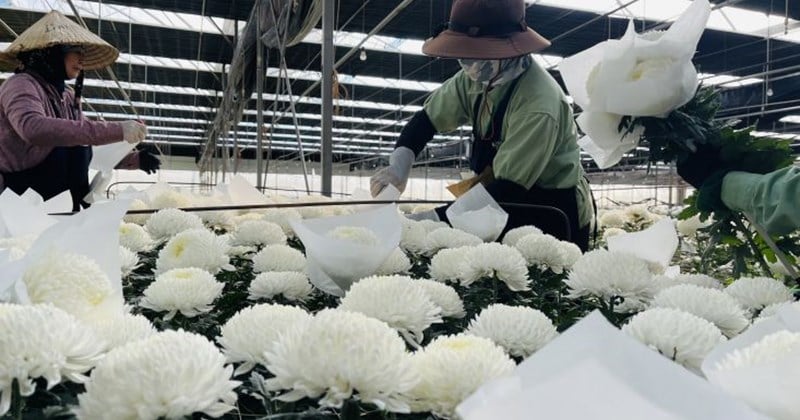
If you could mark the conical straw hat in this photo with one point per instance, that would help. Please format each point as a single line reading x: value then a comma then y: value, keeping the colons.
x: 56, y: 29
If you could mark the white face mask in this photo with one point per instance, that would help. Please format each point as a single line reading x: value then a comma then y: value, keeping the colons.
x: 480, y: 70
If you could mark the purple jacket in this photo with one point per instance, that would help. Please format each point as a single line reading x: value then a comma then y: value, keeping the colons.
x: 34, y: 119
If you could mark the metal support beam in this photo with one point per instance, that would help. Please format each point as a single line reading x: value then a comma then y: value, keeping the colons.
x: 259, y: 100
x: 328, y: 55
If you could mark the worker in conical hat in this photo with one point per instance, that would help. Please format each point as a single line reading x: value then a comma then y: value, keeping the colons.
x: 524, y: 148
x: 45, y: 140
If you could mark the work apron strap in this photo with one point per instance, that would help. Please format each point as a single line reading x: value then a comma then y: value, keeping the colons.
x: 484, y: 147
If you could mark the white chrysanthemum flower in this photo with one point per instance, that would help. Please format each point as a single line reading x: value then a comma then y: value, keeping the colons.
x: 547, y: 252
x: 341, y: 353
x: 397, y: 263
x: 238, y: 220
x: 395, y: 300
x: 122, y: 329
x: 355, y: 234
x: 292, y: 285
x: 72, y: 282
x: 171, y: 200
x: 167, y: 223
x: 676, y: 334
x: 701, y: 280
x: 500, y: 261
x: 128, y: 261
x: 134, y: 237
x: 279, y: 258
x: 17, y: 246
x: 443, y: 296
x: 254, y: 330
x: 258, y: 232
x: 449, y: 238
x: 771, y: 310
x: 688, y: 227
x: 514, y: 235
x: 139, y: 219
x: 172, y: 374
x: 314, y: 212
x: 610, y: 276
x: 754, y: 293
x: 612, y: 219
x: 451, y: 264
x: 452, y: 368
x: 413, y: 236
x: 41, y: 341
x: 217, y: 219
x: 282, y: 217
x: 611, y: 232
x: 190, y: 291
x: 519, y: 330
x: 198, y: 248
x: 768, y: 350
x: 638, y: 214
x: 712, y: 305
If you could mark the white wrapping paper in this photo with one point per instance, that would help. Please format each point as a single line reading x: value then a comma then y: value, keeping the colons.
x: 20, y: 216
x: 106, y: 157
x: 772, y: 387
x: 656, y: 244
x: 335, y: 264
x: 595, y: 371
x: 478, y: 213
x: 389, y: 193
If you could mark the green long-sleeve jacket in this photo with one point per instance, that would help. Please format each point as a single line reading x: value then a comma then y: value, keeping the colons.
x: 772, y: 199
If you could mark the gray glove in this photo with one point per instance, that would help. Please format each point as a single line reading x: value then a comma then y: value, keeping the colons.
x: 424, y: 215
x: 396, y: 173
x: 133, y: 132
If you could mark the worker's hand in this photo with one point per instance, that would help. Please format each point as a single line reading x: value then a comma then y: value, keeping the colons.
x: 133, y: 131
x: 396, y: 173
x: 148, y: 161
x: 705, y: 170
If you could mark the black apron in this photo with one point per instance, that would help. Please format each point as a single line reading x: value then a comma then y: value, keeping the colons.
x: 66, y: 168
x: 554, y: 211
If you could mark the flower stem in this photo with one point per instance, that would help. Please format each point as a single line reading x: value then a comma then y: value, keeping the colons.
x: 17, y: 402
x: 759, y: 256
x: 778, y: 252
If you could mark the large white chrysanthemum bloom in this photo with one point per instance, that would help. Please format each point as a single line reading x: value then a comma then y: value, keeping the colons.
x: 258, y: 232
x: 253, y: 331
x: 190, y: 291
x: 238, y: 220
x: 451, y: 264
x: 754, y: 293
x: 41, y: 341
x: 519, y: 330
x: 638, y: 214
x: 292, y: 285
x: 610, y: 276
x: 72, y: 282
x: 413, y: 236
x: 443, y: 296
x: 514, y: 235
x: 134, y: 237
x: 282, y: 217
x: 676, y: 334
x: 172, y: 374
x: 395, y: 300
x: 442, y: 238
x: 451, y: 368
x: 279, y: 258
x: 339, y: 354
x: 139, y: 219
x: 17, y: 246
x: 397, y: 263
x: 771, y: 310
x: 500, y: 261
x: 167, y: 223
x: 197, y: 248
x: 171, y: 199
x: 122, y: 329
x: 612, y: 219
x: 128, y: 261
x: 712, y: 305
x: 611, y: 232
x: 355, y: 234
x: 768, y: 366
x: 700, y: 280
x: 546, y: 252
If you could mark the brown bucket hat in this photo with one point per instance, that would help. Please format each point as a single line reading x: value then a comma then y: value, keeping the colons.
x: 56, y: 29
x: 485, y: 30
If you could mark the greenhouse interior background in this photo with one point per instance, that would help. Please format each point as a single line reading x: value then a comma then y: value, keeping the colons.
x: 176, y: 56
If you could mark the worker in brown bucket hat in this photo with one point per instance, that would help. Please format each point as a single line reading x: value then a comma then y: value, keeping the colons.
x: 45, y: 140
x: 524, y: 148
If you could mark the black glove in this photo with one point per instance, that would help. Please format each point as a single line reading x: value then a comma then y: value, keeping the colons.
x: 148, y: 162
x: 705, y: 170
